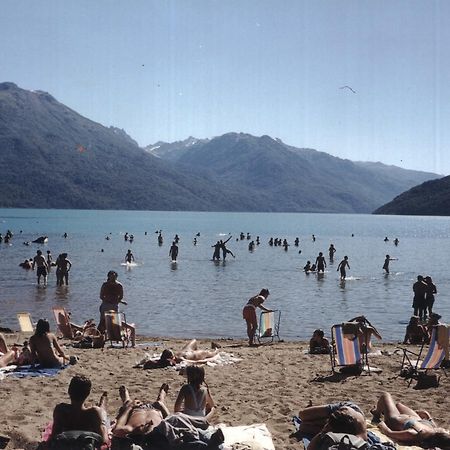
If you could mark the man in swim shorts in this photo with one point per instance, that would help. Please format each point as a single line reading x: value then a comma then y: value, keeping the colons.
x: 42, y: 267
x: 111, y: 294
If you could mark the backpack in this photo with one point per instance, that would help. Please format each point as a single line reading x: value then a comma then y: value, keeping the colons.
x: 76, y: 440
x: 342, y: 441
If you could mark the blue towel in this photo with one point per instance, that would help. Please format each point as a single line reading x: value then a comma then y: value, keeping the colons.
x: 37, y: 371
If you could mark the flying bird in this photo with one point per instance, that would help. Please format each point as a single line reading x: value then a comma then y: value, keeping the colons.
x: 348, y: 87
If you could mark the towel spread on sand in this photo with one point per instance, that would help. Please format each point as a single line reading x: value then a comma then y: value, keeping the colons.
x: 247, y: 437
x: 28, y: 371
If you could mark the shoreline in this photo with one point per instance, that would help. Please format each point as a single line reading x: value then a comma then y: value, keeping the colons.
x: 269, y: 385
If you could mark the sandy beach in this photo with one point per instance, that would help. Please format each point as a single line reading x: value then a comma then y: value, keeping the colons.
x: 269, y: 385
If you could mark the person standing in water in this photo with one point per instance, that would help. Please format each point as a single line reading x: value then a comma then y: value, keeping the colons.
x: 173, y: 251
x: 386, y: 263
x: 341, y: 267
x: 129, y: 257
x: 331, y: 252
x: 63, y: 266
x: 321, y: 263
x: 42, y: 267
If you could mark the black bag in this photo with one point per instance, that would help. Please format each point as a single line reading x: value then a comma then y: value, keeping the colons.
x: 342, y: 441
x: 425, y: 381
x: 76, y: 440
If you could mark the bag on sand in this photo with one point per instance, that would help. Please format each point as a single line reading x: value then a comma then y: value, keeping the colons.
x: 425, y: 381
x: 76, y: 440
x: 342, y: 441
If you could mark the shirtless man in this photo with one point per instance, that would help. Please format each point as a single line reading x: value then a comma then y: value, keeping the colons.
x: 129, y: 257
x: 111, y: 294
x: 42, y: 267
x: 45, y: 348
x: 341, y: 267
x: 76, y: 415
x: 321, y: 263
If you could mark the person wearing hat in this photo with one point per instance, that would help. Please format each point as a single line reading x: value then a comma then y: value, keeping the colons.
x: 249, y: 313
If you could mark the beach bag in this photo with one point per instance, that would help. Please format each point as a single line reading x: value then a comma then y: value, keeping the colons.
x: 76, y: 440
x: 425, y: 380
x: 342, y: 441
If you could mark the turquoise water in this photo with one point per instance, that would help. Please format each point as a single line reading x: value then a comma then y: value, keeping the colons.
x: 199, y: 298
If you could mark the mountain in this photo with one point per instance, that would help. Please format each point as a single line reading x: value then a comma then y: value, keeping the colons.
x: 431, y: 198
x: 293, y: 179
x: 171, y: 151
x: 55, y: 158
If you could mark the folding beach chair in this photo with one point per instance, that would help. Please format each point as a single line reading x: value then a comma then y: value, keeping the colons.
x: 269, y: 326
x: 63, y: 321
x: 25, y: 323
x: 345, y: 347
x: 437, y: 352
x: 117, y: 329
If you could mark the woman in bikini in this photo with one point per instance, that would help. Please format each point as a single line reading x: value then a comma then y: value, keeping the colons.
x: 408, y: 427
x: 193, y: 398
x: 249, y: 314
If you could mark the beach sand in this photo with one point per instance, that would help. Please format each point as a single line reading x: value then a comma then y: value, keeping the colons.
x: 269, y: 385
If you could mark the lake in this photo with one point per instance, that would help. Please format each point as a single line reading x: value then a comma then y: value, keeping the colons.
x: 200, y: 298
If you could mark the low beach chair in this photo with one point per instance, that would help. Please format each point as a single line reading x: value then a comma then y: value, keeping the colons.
x: 63, y: 321
x: 117, y: 329
x: 438, y: 350
x: 25, y: 323
x: 269, y: 326
x: 345, y: 347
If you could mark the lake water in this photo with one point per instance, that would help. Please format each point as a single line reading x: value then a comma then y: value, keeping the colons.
x: 200, y: 298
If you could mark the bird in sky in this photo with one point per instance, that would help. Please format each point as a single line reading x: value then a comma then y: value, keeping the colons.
x: 348, y: 87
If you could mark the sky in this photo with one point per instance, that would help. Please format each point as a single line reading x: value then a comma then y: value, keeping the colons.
x: 164, y: 70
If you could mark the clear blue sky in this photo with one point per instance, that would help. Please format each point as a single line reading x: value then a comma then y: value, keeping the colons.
x: 165, y: 70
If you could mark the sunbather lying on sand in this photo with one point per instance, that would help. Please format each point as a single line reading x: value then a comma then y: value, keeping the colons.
x: 408, y: 427
x: 152, y: 423
x: 15, y: 355
x: 189, y: 353
x: 344, y: 417
x: 76, y: 415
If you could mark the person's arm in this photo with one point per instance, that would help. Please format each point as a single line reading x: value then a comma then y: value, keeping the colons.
x: 264, y: 308
x: 57, y: 421
x: 56, y: 346
x: 34, y: 264
x: 120, y: 294
x: 102, y: 292
x: 227, y: 240
x: 33, y: 351
x: 121, y: 429
x: 70, y: 265
x: 209, y: 406
x: 404, y: 436
x: 180, y: 399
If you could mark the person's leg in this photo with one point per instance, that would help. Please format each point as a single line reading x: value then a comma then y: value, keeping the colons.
x: 191, y: 345
x: 387, y: 407
x: 403, y: 409
x: 8, y: 358
x: 250, y: 332
x: 160, y: 403
x: 66, y: 278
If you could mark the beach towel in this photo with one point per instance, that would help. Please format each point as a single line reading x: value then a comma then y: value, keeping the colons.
x: 29, y: 371
x: 247, y: 437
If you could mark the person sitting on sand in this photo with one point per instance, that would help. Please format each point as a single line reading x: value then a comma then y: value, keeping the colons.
x: 342, y: 417
x: 45, y: 348
x: 14, y: 356
x: 249, y: 313
x: 76, y: 416
x: 190, y: 353
x: 318, y: 344
x: 195, y: 398
x: 415, y: 333
x: 408, y: 427
x: 153, y: 425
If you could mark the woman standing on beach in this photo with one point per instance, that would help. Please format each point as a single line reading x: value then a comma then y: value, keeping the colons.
x: 111, y: 294
x: 249, y: 313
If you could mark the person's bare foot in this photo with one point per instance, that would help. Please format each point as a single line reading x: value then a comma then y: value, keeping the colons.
x: 124, y: 394
x: 103, y: 403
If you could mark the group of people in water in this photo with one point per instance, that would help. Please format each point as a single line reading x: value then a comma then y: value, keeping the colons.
x: 42, y: 264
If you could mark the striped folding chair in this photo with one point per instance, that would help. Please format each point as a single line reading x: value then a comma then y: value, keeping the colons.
x: 345, y: 348
x: 437, y: 352
x: 63, y: 321
x: 269, y: 326
x: 117, y: 328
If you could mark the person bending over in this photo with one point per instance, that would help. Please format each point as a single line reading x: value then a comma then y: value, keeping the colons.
x: 76, y: 416
x: 408, y: 427
x: 249, y: 313
x: 195, y: 398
